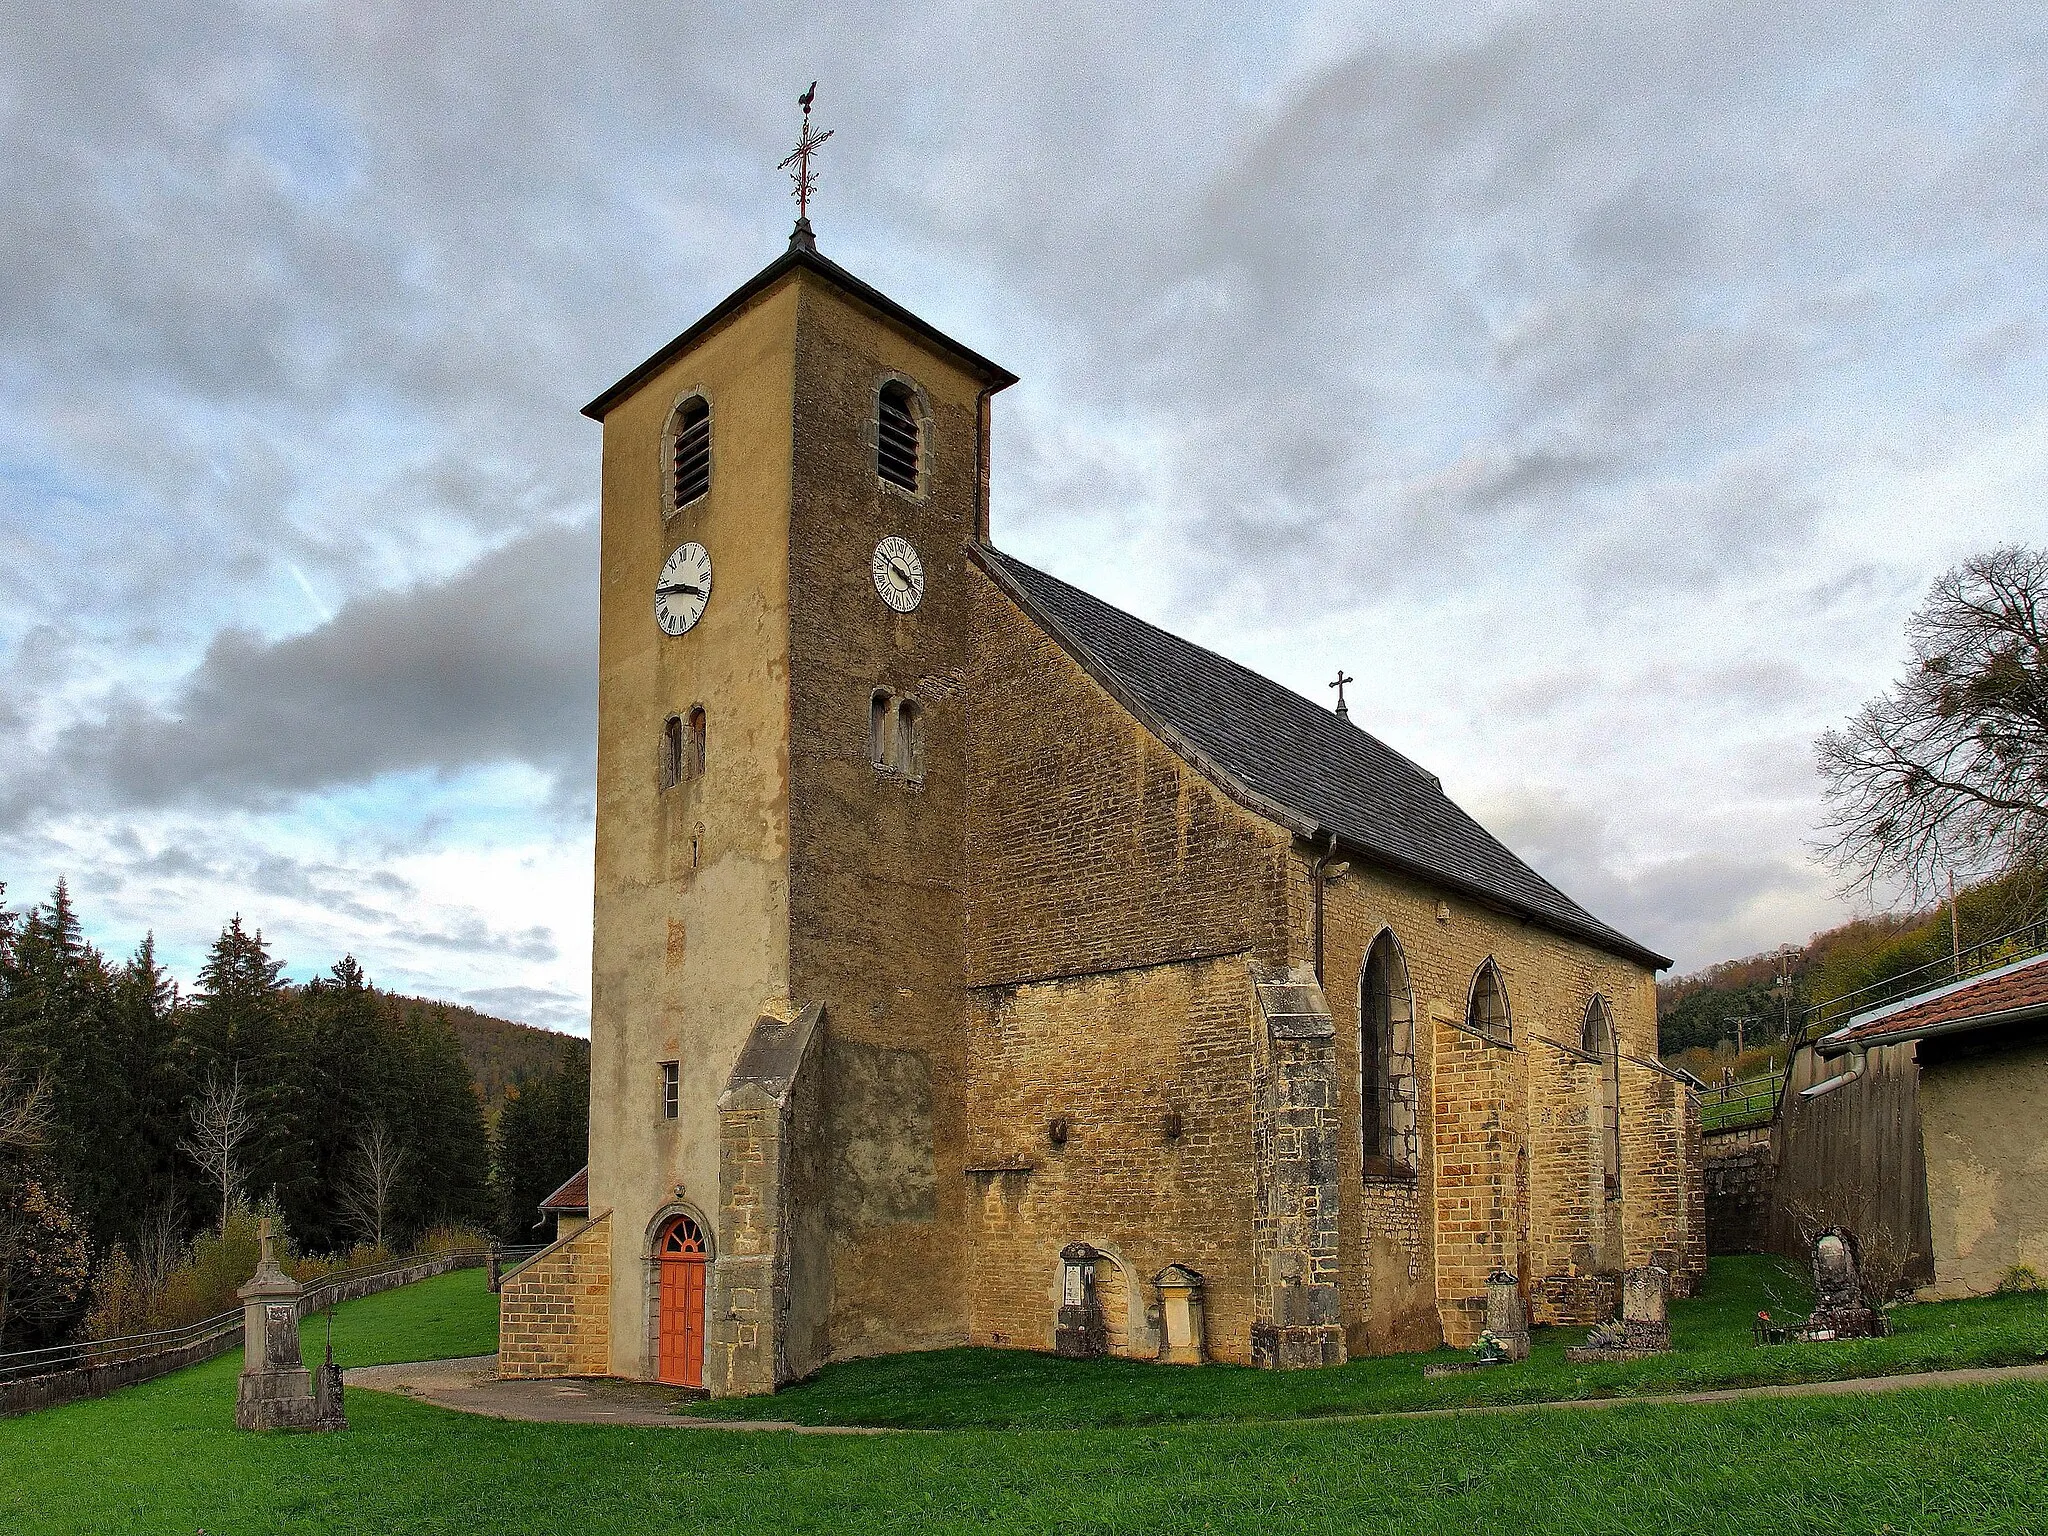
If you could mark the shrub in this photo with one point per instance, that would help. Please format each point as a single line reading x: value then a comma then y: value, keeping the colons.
x: 2021, y: 1280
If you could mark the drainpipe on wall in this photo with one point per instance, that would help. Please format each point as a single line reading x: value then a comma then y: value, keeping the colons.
x: 1857, y: 1056
x: 1315, y: 875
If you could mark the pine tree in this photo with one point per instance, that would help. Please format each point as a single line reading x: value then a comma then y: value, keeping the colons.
x: 241, y: 1020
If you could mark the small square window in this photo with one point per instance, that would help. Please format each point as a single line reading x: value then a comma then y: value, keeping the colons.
x: 671, y: 1089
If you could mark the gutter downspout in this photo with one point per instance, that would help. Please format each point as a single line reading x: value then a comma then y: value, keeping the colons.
x: 1858, y: 1055
x: 1315, y: 875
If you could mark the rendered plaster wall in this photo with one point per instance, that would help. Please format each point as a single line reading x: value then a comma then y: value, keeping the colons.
x: 877, y: 857
x: 1987, y: 1165
x: 691, y: 895
x: 1510, y: 1173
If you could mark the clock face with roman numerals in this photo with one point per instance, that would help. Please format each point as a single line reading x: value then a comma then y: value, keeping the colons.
x: 683, y: 589
x: 899, y: 574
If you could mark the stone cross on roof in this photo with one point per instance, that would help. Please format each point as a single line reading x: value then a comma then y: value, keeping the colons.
x: 1343, y: 713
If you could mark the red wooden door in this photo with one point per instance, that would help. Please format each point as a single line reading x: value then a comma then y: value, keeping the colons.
x: 681, y: 1325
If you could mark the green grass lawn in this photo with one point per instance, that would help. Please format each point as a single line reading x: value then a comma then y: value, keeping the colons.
x: 164, y: 1458
x: 1711, y: 1335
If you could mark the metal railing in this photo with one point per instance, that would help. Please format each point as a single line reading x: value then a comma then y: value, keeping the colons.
x: 222, y: 1330
x: 1975, y: 960
x: 1735, y: 1106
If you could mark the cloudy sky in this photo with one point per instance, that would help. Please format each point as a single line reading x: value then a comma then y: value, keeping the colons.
x: 1601, y: 384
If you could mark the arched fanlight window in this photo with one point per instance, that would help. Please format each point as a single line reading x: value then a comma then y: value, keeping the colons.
x: 1598, y: 1040
x: 1386, y: 1056
x: 1486, y: 1011
x: 671, y: 751
x: 689, y: 452
x: 897, y: 434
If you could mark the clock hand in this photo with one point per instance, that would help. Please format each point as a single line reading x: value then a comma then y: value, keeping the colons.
x: 903, y: 573
x: 670, y: 591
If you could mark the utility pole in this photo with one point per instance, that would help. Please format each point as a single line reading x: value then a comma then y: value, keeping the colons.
x: 1955, y: 926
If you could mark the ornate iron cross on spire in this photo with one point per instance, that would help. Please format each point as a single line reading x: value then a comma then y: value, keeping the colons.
x: 1342, y: 712
x: 799, y: 162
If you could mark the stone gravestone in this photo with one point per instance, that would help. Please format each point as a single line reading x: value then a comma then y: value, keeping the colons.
x: 276, y: 1390
x: 1080, y: 1334
x: 1644, y: 1327
x: 1507, y: 1318
x: 328, y: 1412
x: 1839, y: 1311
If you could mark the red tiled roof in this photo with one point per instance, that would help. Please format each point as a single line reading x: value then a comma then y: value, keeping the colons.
x: 2018, y: 989
x: 574, y: 1195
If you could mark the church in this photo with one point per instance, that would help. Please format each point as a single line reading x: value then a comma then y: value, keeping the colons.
x: 976, y: 963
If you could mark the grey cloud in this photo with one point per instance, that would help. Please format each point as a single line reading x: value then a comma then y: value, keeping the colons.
x: 496, y: 664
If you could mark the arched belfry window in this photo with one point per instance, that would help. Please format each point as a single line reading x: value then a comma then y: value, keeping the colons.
x: 689, y: 453
x: 1386, y: 1058
x: 899, y: 436
x: 1486, y: 1011
x: 1599, y: 1040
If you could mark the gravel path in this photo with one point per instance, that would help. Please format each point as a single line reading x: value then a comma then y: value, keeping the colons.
x: 472, y: 1386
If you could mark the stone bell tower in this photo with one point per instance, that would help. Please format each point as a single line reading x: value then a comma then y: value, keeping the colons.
x: 790, y: 489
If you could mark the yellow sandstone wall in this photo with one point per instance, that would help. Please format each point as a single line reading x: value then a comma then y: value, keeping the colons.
x: 877, y: 858
x: 554, y: 1312
x: 1510, y: 1169
x: 1114, y: 904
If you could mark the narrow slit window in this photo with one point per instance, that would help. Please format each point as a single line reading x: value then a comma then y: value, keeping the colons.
x: 1386, y: 1096
x: 879, y: 711
x: 692, y: 450
x: 693, y: 745
x: 1599, y: 1040
x: 896, y: 437
x: 671, y: 1089
x: 671, y: 751
x: 908, y: 746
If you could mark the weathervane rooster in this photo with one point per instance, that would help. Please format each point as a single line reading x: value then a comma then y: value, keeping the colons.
x: 799, y: 162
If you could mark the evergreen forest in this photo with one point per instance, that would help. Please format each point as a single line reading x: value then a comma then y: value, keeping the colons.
x: 136, y: 1119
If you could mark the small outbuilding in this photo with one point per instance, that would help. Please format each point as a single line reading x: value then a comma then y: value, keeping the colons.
x: 1982, y: 1046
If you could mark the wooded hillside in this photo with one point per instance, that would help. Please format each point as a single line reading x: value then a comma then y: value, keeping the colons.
x: 1696, y: 1014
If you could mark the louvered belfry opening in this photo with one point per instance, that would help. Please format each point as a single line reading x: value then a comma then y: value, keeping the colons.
x: 693, y: 450
x: 896, y: 438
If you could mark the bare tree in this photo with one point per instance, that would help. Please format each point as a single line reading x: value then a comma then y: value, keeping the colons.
x: 221, y: 1122
x: 1947, y: 770
x: 366, y: 1197
x: 26, y: 1114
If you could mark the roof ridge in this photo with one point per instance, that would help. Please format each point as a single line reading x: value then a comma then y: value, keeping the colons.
x: 1237, y: 666
x: 1266, y: 744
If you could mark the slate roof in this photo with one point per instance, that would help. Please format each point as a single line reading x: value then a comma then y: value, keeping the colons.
x: 2018, y: 991
x: 574, y: 1195
x: 1334, y: 777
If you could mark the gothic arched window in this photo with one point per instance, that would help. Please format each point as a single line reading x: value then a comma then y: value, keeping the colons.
x: 898, y: 435
x: 689, y: 452
x: 1598, y: 1040
x: 1386, y: 1056
x: 1486, y: 1011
